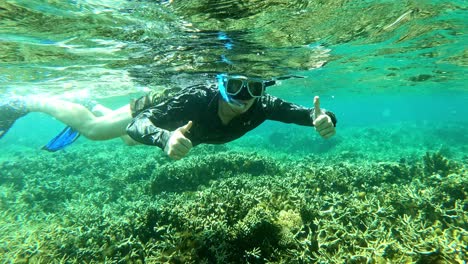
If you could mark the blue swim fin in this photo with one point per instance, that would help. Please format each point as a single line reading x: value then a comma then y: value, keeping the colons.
x: 65, y: 138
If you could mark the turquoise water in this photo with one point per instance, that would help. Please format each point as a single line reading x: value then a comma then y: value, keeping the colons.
x: 394, y: 73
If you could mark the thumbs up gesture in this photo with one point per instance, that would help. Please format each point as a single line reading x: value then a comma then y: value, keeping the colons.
x: 178, y: 145
x: 322, y: 122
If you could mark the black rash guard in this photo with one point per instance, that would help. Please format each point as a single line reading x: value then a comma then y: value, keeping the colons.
x: 199, y: 104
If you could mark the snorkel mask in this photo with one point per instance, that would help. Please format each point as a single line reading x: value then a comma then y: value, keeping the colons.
x: 238, y: 87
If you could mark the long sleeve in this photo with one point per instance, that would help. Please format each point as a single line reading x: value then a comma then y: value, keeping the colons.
x: 154, y: 125
x: 280, y: 110
x: 286, y: 112
x: 142, y: 130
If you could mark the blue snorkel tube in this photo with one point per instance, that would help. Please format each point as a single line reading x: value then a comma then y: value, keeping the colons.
x: 222, y: 88
x: 228, y: 44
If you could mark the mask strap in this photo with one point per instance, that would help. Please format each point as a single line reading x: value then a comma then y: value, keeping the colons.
x: 275, y: 80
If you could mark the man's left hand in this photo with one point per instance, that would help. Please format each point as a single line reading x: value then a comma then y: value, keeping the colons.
x: 322, y: 122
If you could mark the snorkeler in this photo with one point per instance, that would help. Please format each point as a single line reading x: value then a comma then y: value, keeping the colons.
x: 212, y: 114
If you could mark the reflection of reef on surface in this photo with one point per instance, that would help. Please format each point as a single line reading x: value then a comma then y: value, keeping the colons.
x: 224, y: 206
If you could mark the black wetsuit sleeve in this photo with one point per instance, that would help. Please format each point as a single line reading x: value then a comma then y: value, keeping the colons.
x: 142, y: 130
x: 154, y: 125
x: 280, y: 110
x: 286, y: 112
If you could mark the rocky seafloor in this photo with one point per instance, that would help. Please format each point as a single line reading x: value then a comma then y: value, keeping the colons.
x: 371, y: 196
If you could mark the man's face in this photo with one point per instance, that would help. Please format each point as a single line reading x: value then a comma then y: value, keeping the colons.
x: 239, y: 93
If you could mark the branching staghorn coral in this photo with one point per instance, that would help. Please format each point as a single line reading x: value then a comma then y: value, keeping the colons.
x: 271, y: 212
x: 435, y: 163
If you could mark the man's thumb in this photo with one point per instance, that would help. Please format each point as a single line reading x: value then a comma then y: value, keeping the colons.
x: 186, y: 128
x: 317, y: 110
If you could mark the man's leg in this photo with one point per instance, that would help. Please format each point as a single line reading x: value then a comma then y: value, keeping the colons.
x: 100, y: 110
x: 109, y: 126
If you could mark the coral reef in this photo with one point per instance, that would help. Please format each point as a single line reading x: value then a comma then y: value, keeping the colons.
x: 436, y: 163
x: 189, y: 174
x: 370, y: 195
x: 231, y: 207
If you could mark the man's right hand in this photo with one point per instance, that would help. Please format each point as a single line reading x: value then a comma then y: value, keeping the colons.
x: 178, y: 145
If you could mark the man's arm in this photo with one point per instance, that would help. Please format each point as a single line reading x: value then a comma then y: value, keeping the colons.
x: 173, y: 143
x: 142, y: 130
x: 286, y: 112
x: 165, y: 124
